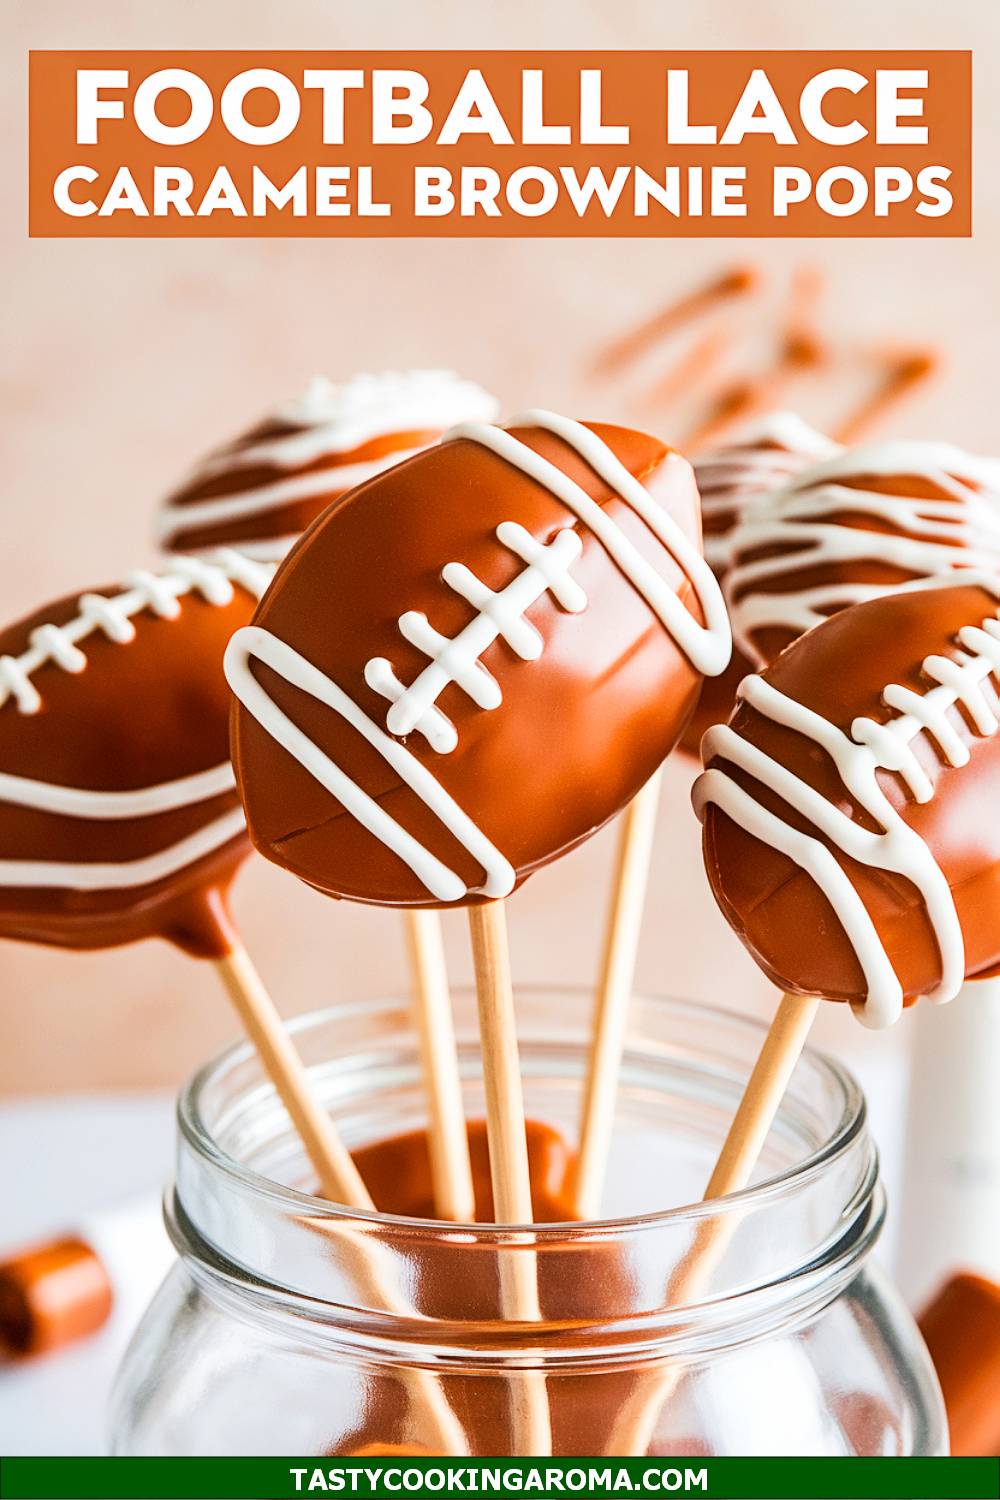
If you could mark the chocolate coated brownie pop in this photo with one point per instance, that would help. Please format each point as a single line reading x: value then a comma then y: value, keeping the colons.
x: 474, y: 661
x: 855, y: 526
x: 260, y: 492
x: 731, y: 479
x: 119, y: 816
x: 847, y: 830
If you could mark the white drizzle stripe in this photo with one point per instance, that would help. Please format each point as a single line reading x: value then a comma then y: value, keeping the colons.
x: 708, y: 647
x: 858, y: 757
x: 761, y: 459
x: 176, y: 518
x: 798, y: 610
x: 81, y: 802
x: 438, y: 730
x: 907, y: 456
x: 212, y: 578
x: 160, y: 593
x: 326, y: 421
x: 251, y: 642
x: 265, y: 549
x: 126, y: 874
x: 330, y: 419
x: 785, y: 430
x: 812, y: 856
x: 793, y: 520
x: 500, y: 616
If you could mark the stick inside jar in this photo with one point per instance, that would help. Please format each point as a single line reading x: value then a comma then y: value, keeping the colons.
x: 614, y: 995
x: 733, y: 1170
x: 531, y: 1428
x: 451, y: 1168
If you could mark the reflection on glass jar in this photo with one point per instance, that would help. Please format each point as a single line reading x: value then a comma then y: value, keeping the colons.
x: 758, y: 1326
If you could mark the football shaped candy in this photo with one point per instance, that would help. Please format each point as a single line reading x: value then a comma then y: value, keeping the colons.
x: 853, y: 527
x: 474, y: 661
x: 846, y: 807
x: 730, y: 479
x: 260, y: 492
x: 119, y: 816
x: 762, y: 459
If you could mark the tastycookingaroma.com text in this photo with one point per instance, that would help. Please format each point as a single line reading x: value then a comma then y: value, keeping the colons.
x: 500, y: 1479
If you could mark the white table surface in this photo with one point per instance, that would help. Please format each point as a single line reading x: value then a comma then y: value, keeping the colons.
x: 76, y: 1163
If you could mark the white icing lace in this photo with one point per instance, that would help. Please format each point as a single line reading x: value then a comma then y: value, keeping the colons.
x: 869, y: 748
x: 500, y: 615
x: 325, y: 421
x: 763, y: 458
x: 112, y: 616
x: 923, y: 536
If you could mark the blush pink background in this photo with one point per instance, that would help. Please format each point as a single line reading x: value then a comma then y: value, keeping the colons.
x: 123, y: 361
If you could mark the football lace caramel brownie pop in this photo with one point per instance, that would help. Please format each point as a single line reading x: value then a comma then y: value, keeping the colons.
x: 846, y: 844
x: 466, y: 668
x: 765, y: 455
x: 730, y: 480
x: 855, y: 526
x: 474, y: 661
x: 260, y: 492
x: 119, y: 816
x: 843, y: 806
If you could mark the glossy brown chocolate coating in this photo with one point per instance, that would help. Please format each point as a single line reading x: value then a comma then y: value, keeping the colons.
x: 141, y: 713
x: 730, y: 479
x: 582, y: 1410
x: 769, y: 640
x: 715, y: 701
x: 579, y: 731
x: 961, y: 1327
x: 397, y: 1173
x: 288, y: 518
x: 840, y: 670
x: 588, y: 1280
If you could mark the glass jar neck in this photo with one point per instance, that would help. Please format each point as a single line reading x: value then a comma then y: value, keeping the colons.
x: 688, y: 1279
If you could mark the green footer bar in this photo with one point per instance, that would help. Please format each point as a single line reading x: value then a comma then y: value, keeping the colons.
x: 723, y: 1478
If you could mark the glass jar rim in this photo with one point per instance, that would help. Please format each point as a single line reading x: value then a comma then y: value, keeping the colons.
x: 789, y: 1242
x: 769, y: 1190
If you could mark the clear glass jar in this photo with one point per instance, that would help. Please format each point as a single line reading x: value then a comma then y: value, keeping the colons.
x: 292, y: 1326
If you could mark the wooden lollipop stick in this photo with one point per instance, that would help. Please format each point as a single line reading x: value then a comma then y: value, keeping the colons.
x: 764, y: 1092
x: 338, y: 1176
x: 509, y: 1171
x: 451, y: 1169
x: 614, y: 993
x: 501, y: 1069
x: 636, y: 1424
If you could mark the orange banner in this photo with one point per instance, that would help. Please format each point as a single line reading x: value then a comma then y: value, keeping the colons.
x: 640, y: 144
